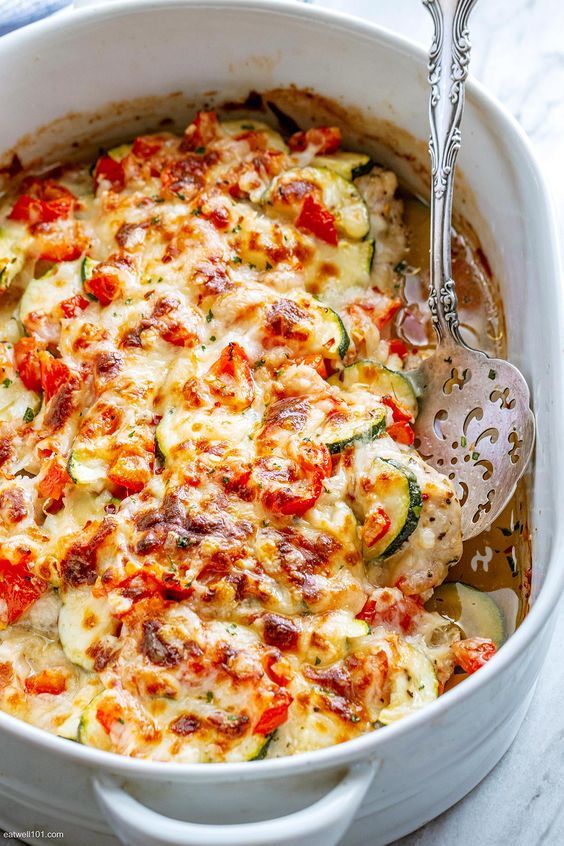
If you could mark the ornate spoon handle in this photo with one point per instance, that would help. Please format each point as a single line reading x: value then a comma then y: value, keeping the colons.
x: 448, y: 68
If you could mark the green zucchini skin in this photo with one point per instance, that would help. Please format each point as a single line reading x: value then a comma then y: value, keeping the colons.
x: 414, y: 512
x: 346, y: 164
x: 354, y: 431
x: 399, y: 495
x: 379, y: 379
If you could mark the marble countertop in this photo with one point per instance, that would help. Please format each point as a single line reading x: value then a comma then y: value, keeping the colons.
x: 518, y: 53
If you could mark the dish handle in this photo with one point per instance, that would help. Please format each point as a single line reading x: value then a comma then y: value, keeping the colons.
x: 321, y: 824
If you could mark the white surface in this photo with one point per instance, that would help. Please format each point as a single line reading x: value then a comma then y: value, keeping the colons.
x: 518, y: 52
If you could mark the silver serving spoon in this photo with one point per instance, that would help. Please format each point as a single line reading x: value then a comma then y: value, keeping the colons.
x: 475, y: 424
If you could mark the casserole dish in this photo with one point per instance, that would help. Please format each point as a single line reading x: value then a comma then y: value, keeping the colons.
x: 453, y: 743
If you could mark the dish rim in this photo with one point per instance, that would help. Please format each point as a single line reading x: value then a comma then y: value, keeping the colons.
x: 367, y: 745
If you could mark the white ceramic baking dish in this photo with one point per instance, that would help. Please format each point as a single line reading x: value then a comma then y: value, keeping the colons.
x: 393, y: 780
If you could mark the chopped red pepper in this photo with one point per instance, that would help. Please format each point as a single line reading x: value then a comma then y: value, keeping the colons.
x: 145, y: 147
x: 231, y: 379
x: 327, y: 139
x: 105, y: 286
x: 316, y: 219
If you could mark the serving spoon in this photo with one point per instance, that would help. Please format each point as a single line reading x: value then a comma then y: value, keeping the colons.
x: 475, y: 423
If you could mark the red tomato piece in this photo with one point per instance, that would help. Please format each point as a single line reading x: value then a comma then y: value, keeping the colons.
x: 278, y: 669
x: 385, y: 608
x: 292, y: 487
x: 327, y: 139
x: 28, y: 365
x: 108, y: 170
x: 316, y: 219
x: 19, y: 588
x: 144, y: 147
x: 473, y: 653
x: 202, y: 130
x: 389, y: 313
x: 397, y: 347
x: 51, y: 681
x: 399, y: 414
x: 377, y: 524
x: 104, y: 286
x: 402, y: 433
x: 275, y: 715
x: 53, y: 483
x: 43, y: 201
x: 54, y: 373
x: 230, y: 377
x: 74, y: 305
x: 131, y: 470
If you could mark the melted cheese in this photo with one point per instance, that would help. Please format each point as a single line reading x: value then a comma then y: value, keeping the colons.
x: 196, y: 552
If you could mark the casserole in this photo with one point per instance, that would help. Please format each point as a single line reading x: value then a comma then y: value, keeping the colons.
x: 476, y: 722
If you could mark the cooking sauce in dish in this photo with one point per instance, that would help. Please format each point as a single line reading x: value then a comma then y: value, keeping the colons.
x: 497, y: 562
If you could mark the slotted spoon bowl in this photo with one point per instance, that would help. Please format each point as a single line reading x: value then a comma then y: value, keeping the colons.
x: 475, y: 423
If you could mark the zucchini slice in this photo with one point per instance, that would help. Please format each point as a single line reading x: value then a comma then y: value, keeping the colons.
x: 413, y: 684
x: 90, y: 730
x: 86, y: 467
x: 87, y: 268
x: 286, y: 193
x: 17, y: 403
x: 11, y: 259
x: 340, y: 268
x: 346, y: 164
x: 235, y: 128
x: 375, y: 377
x: 395, y: 491
x: 44, y: 294
x: 84, y: 621
x: 338, y: 434
x: 316, y: 327
x: 120, y: 152
x: 472, y: 610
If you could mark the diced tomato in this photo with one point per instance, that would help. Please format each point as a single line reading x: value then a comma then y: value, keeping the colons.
x: 384, y: 607
x: 105, y: 286
x: 51, y: 681
x: 399, y: 414
x: 108, y: 713
x: 202, y: 130
x: 26, y: 352
x: 473, y: 653
x: 402, y: 433
x: 144, y: 147
x: 19, y: 589
x: 230, y: 377
x: 108, y: 170
x: 278, y: 668
x: 397, y: 347
x: 57, y: 248
x: 74, y: 305
x: 376, y: 525
x: 53, y: 483
x: 54, y: 373
x: 292, y: 487
x: 388, y: 314
x: 316, y: 219
x: 275, y: 715
x: 43, y: 201
x: 131, y: 470
x: 326, y: 139
x: 316, y: 361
